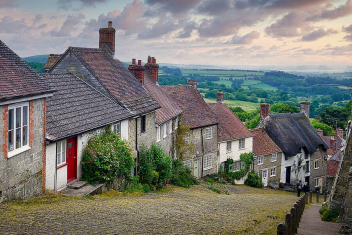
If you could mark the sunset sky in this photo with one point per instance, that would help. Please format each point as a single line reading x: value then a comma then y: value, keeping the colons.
x: 235, y: 33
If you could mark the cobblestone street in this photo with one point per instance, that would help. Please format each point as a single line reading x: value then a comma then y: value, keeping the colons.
x: 179, y: 211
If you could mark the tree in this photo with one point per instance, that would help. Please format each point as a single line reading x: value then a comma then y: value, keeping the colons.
x: 327, y: 130
x: 284, y: 108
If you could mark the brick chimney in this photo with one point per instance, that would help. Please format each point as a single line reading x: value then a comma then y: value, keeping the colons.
x: 152, y: 68
x: 220, y: 97
x: 193, y: 82
x: 264, y: 110
x: 305, y: 108
x: 339, y: 132
x: 320, y: 132
x: 333, y: 143
x: 137, y: 70
x: 107, y: 38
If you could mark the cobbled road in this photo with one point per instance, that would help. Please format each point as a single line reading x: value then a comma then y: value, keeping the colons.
x: 179, y: 211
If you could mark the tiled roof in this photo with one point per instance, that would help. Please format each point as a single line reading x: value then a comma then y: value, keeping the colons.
x: 17, y: 79
x: 77, y: 107
x: 262, y: 143
x: 169, y: 108
x: 51, y: 60
x: 334, y: 142
x: 195, y: 111
x: 230, y: 126
x: 333, y: 163
x: 293, y: 131
x: 116, y: 79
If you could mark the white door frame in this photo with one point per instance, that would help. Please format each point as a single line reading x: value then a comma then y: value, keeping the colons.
x: 265, y: 176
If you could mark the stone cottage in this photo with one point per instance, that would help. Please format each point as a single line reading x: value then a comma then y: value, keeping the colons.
x: 99, y: 69
x: 167, y: 117
x: 75, y: 113
x: 233, y: 136
x: 267, y: 158
x: 304, y: 152
x: 23, y: 117
x: 204, y: 128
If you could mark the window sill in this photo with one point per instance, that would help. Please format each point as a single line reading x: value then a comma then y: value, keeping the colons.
x: 205, y: 169
x: 272, y: 175
x: 274, y: 161
x: 61, y: 166
x: 260, y: 164
x: 18, y: 151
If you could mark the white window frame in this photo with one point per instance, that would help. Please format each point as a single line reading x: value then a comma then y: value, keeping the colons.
x: 316, y: 164
x: 164, y: 127
x: 158, y: 134
x: 242, y: 143
x: 176, y: 123
x: 236, y: 166
x: 316, y: 182
x: 116, y: 128
x: 274, y: 157
x: 207, y: 162
x: 273, y: 171
x: 260, y: 160
x: 187, y: 163
x: 22, y: 148
x: 61, y: 149
x: 229, y: 146
x: 170, y: 127
x: 208, y: 133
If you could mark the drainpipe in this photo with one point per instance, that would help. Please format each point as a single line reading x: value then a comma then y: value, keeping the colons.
x: 201, y: 131
x: 137, y: 159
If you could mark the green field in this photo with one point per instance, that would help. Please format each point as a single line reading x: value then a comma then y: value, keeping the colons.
x: 257, y: 84
x: 220, y: 73
x: 247, y: 106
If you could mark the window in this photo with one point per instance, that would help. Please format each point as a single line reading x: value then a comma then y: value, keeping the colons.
x: 143, y: 124
x: 188, y: 163
x: 316, y: 164
x: 273, y: 171
x: 307, y: 166
x: 237, y: 166
x: 264, y: 173
x: 316, y: 182
x: 61, y: 152
x: 208, y: 133
x: 116, y: 128
x: 164, y: 127
x: 207, y: 162
x: 241, y: 144
x: 176, y: 123
x: 228, y: 146
x: 273, y: 157
x: 186, y: 138
x: 170, y: 127
x: 18, y: 128
x: 157, y: 133
x: 260, y: 160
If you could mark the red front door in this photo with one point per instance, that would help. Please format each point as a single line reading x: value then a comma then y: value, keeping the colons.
x: 71, y: 159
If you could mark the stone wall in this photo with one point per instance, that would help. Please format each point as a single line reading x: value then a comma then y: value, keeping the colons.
x: 22, y: 175
x: 273, y: 181
x: 319, y: 172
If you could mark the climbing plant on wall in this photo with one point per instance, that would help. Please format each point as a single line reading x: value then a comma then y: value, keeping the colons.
x: 183, y: 147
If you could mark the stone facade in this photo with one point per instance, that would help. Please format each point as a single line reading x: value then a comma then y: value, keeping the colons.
x: 272, y: 167
x: 166, y: 142
x: 204, y: 150
x: 318, y: 172
x: 23, y: 174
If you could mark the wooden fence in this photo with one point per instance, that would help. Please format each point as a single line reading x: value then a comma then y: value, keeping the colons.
x: 289, y: 227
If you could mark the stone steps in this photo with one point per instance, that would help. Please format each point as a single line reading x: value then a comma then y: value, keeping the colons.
x: 81, y: 188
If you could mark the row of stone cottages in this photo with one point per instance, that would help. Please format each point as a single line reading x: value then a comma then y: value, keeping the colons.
x: 47, y: 120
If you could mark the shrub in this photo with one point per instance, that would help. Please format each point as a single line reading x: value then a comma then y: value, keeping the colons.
x: 328, y: 215
x: 105, y: 158
x: 254, y: 180
x: 182, y: 175
x: 155, y: 166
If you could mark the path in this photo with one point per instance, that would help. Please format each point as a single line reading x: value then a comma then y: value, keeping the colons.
x: 311, y: 224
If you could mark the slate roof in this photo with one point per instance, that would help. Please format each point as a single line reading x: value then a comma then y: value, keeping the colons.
x: 230, y: 126
x: 292, y: 131
x: 116, y: 79
x: 17, y: 79
x: 53, y: 58
x: 262, y: 143
x: 196, y: 113
x: 169, y: 108
x: 76, y: 107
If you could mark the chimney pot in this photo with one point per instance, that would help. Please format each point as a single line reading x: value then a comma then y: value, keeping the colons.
x: 133, y: 61
x: 193, y: 83
x: 139, y: 62
x: 264, y: 110
x: 153, y: 59
x: 110, y: 24
x: 149, y: 59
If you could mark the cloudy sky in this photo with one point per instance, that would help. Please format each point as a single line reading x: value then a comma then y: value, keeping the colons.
x: 236, y: 33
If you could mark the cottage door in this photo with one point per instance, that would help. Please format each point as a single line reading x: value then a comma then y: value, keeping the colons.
x: 196, y: 169
x: 288, y: 175
x: 71, y: 159
x: 265, y: 177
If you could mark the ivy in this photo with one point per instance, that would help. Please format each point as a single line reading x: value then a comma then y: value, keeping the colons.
x: 106, y: 157
x: 247, y: 159
x: 183, y: 147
